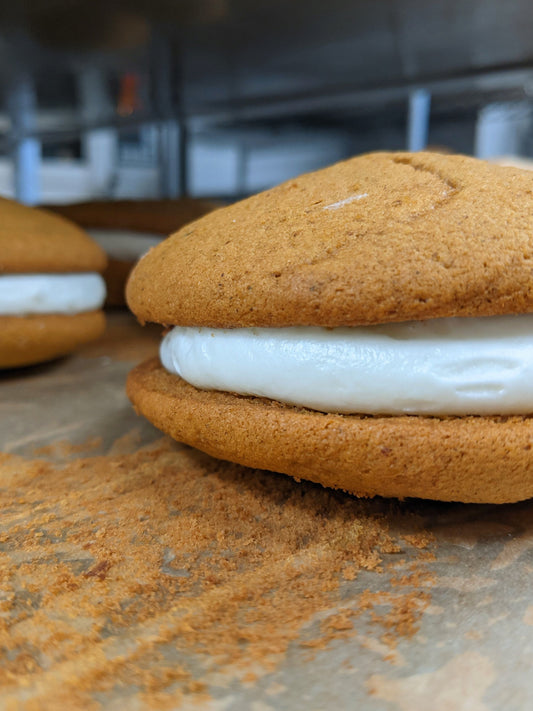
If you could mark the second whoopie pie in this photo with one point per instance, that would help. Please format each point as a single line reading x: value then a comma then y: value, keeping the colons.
x: 51, y: 289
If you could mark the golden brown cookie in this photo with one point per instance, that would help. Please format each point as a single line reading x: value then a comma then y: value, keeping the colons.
x: 381, y: 238
x: 26, y: 340
x: 159, y: 217
x: 470, y: 459
x: 37, y: 243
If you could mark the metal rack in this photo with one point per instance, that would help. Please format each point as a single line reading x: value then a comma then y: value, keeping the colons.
x: 229, y: 63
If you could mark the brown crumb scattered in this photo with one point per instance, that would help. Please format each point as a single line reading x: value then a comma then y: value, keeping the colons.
x: 417, y: 578
x: 341, y: 621
x: 99, y: 571
x: 350, y: 572
x: 403, y: 615
x: 147, y: 567
x: 339, y: 625
x: 64, y: 448
x: 421, y: 539
x: 249, y: 678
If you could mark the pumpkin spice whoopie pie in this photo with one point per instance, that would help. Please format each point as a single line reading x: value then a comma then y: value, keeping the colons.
x: 126, y: 229
x: 367, y: 327
x: 51, y: 290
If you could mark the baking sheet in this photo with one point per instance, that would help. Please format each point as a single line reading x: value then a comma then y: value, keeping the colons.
x: 138, y: 573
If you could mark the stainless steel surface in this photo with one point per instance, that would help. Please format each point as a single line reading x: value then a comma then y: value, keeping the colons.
x: 469, y: 588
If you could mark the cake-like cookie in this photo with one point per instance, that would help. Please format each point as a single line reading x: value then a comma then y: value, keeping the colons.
x: 51, y: 289
x: 126, y: 229
x: 366, y: 326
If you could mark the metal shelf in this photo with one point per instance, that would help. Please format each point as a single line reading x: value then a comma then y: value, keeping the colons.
x: 211, y: 63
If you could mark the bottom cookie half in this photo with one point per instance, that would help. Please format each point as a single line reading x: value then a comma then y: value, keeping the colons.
x: 469, y: 459
x: 26, y: 340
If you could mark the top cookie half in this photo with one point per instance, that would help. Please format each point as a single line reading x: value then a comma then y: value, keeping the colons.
x: 35, y: 241
x: 378, y: 238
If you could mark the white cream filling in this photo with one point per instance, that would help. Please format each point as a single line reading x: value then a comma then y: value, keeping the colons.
x: 27, y: 294
x: 451, y: 366
x: 125, y: 244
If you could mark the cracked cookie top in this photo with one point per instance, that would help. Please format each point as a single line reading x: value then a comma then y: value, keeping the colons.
x: 379, y: 238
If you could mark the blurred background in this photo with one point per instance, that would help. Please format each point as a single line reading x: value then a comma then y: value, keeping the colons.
x: 222, y: 98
